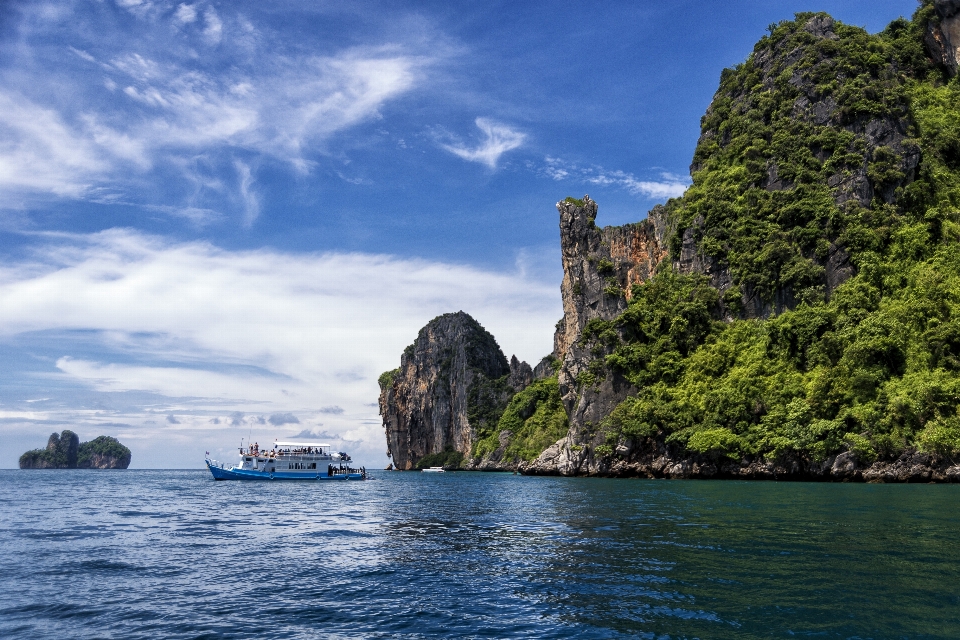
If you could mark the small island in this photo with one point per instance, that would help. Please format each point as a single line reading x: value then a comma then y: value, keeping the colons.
x: 65, y: 451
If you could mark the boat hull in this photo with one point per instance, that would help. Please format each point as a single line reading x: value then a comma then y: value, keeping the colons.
x: 222, y: 473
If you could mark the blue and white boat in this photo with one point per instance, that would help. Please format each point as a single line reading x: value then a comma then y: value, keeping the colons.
x: 289, y: 461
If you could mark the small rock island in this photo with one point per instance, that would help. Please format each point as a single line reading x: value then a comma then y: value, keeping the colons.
x: 65, y: 451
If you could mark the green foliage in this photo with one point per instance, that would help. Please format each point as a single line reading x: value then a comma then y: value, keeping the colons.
x: 761, y: 199
x: 386, y: 378
x: 941, y: 436
x: 38, y: 458
x: 572, y: 200
x: 101, y: 446
x: 873, y: 369
x: 535, y: 418
x: 716, y: 441
x: 449, y: 459
x: 486, y: 400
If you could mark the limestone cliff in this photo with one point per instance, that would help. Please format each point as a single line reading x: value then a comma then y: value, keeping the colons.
x: 452, y: 384
x: 791, y: 316
x: 812, y: 153
x: 943, y: 35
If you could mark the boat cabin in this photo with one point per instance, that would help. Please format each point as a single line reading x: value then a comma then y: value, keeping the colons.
x: 291, y: 456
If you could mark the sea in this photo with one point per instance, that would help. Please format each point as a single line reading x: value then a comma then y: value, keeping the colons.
x: 174, y: 554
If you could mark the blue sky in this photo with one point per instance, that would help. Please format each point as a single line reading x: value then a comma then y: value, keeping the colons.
x: 225, y: 219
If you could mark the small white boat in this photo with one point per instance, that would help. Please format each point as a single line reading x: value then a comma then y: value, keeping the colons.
x: 432, y: 470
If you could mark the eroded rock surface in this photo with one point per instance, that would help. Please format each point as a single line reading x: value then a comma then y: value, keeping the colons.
x: 943, y: 36
x: 452, y: 382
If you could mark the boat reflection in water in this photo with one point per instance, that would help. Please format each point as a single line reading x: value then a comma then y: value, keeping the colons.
x: 289, y: 461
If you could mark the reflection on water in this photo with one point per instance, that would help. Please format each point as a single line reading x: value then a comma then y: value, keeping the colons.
x: 174, y: 554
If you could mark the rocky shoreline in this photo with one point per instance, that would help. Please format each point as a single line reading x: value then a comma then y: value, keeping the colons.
x: 910, y: 467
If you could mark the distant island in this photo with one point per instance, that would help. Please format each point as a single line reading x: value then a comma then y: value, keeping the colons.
x: 65, y: 451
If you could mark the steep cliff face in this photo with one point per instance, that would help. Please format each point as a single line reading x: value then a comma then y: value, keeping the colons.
x: 943, y: 35
x: 600, y: 267
x: 827, y: 162
x: 453, y: 381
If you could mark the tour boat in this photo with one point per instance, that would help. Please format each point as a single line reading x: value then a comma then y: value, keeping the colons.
x: 432, y: 470
x: 288, y: 461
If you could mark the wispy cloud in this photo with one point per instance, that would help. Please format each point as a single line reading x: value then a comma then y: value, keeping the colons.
x: 186, y: 13
x: 213, y: 29
x: 334, y: 409
x: 497, y: 140
x: 39, y: 151
x: 139, y: 102
x: 669, y: 185
x: 251, y: 202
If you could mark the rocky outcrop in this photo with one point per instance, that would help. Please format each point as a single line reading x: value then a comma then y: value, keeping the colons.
x: 60, y: 453
x: 103, y: 452
x: 65, y: 451
x: 601, y: 265
x: 453, y: 383
x: 521, y: 374
x: 943, y: 36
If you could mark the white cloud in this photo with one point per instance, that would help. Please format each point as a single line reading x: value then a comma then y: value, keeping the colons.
x: 251, y: 202
x: 186, y: 13
x: 214, y: 29
x: 240, y: 335
x: 668, y: 186
x: 40, y: 151
x: 498, y: 139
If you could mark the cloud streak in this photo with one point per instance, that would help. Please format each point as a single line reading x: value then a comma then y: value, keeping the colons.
x: 668, y: 186
x: 497, y: 140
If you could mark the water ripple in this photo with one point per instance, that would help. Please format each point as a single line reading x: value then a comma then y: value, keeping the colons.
x: 146, y: 554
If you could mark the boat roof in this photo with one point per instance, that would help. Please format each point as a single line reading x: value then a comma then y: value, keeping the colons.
x: 302, y: 444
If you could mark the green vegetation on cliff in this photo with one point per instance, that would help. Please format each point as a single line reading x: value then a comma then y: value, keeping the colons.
x: 534, y: 418
x: 871, y: 365
x: 101, y: 447
x: 820, y: 110
x: 448, y: 458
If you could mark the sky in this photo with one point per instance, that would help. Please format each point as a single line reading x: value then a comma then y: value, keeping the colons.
x: 223, y: 220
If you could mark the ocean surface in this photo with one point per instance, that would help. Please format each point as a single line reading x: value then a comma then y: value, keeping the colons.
x: 173, y: 554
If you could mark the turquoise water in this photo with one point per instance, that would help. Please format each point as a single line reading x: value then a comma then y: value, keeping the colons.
x: 173, y: 554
